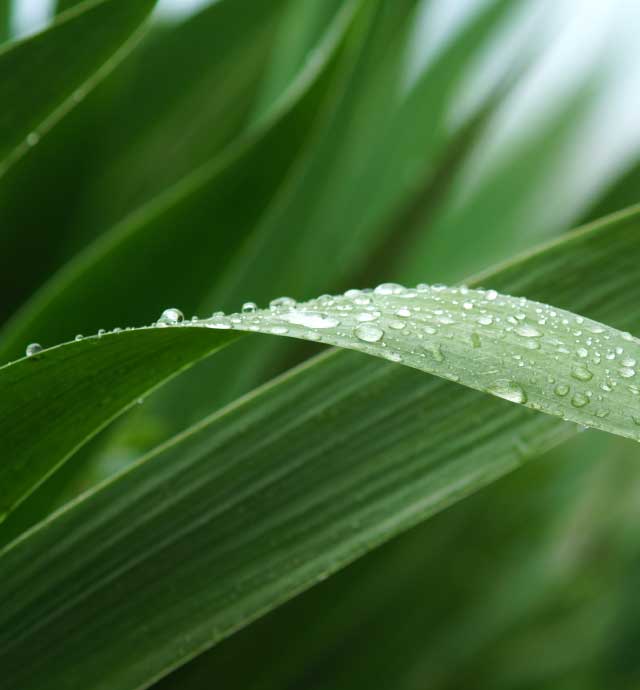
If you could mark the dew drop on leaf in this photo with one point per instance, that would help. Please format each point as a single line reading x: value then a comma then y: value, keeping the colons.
x: 509, y: 390
x: 369, y: 333
x: 171, y: 316
x: 581, y: 373
x: 33, y: 349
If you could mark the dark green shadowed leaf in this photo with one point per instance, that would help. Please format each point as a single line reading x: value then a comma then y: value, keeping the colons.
x: 69, y: 58
x: 211, y: 64
x: 313, y: 471
x: 198, y: 212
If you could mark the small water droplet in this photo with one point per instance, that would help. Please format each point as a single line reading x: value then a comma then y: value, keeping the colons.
x: 397, y: 325
x: 582, y: 352
x: 282, y: 303
x: 508, y: 390
x: 279, y: 330
x: 33, y: 138
x: 435, y: 351
x: 369, y: 333
x: 579, y: 400
x: 79, y: 337
x: 485, y: 320
x: 527, y: 331
x: 561, y: 390
x: 33, y: 349
x: 581, y: 373
x: 430, y: 330
x: 393, y: 356
x: 491, y: 295
x: 249, y: 307
x: 403, y: 312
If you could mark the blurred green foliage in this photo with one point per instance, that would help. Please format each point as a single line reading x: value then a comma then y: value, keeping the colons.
x: 268, y: 147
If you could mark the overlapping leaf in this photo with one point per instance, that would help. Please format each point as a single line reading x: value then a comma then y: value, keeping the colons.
x: 308, y: 492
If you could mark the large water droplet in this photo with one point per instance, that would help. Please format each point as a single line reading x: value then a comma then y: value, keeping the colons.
x: 171, y: 317
x: 33, y: 349
x: 369, y: 333
x: 389, y: 289
x: 509, y: 390
x: 310, y: 319
x: 627, y: 372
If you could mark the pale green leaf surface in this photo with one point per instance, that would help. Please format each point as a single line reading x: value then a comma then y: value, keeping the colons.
x: 313, y: 470
x: 74, y: 53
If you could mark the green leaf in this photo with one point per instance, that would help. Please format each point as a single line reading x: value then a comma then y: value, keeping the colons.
x: 35, y: 444
x: 70, y: 57
x: 312, y: 470
x: 5, y: 20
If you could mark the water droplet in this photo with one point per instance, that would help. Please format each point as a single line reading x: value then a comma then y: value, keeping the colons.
x: 485, y: 320
x: 581, y: 373
x: 393, y: 356
x: 279, y: 330
x: 627, y: 372
x: 430, y: 330
x: 33, y: 349
x: 491, y: 295
x: 79, y: 337
x: 171, y: 316
x: 368, y: 316
x: 446, y: 320
x: 369, y: 333
x: 435, y: 351
x: 33, y: 138
x: 628, y: 362
x: 310, y: 319
x: 249, y: 307
x: 582, y: 352
x: 389, y: 289
x: 404, y: 312
x: 579, y: 400
x: 561, y: 390
x: 528, y: 331
x: 467, y: 305
x: 509, y: 390
x: 282, y: 303
x: 101, y: 332
x: 396, y: 325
